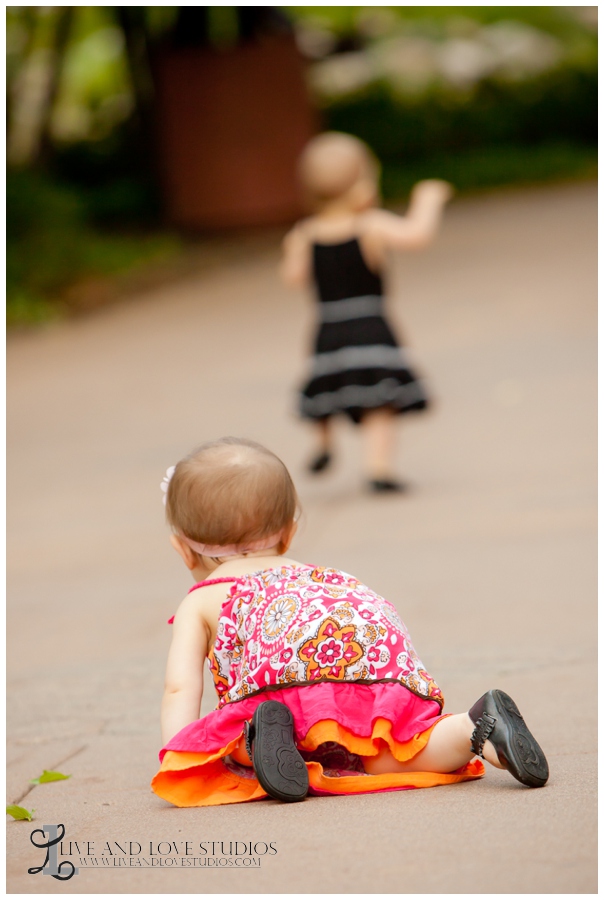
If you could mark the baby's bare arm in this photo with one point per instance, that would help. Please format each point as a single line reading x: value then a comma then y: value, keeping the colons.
x: 183, y: 686
x: 419, y: 226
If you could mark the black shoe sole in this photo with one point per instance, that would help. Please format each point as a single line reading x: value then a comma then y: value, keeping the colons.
x: 516, y: 747
x: 277, y: 763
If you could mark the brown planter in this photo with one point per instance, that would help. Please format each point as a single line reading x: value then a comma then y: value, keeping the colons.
x: 231, y: 127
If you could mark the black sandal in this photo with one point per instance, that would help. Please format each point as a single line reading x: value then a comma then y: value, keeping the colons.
x: 498, y: 720
x: 320, y: 462
x: 269, y: 739
x: 387, y: 486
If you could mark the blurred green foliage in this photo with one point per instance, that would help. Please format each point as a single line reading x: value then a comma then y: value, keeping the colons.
x: 549, y: 119
x: 482, y: 96
x: 51, y: 244
x: 89, y: 204
x: 505, y: 164
x: 440, y: 20
x: 555, y: 107
x: 78, y: 207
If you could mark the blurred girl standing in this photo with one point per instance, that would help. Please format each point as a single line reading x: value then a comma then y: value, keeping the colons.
x: 358, y: 367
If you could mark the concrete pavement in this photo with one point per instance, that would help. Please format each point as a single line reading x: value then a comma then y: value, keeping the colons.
x: 490, y: 559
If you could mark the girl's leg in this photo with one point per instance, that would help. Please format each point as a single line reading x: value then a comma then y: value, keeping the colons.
x: 379, y: 430
x: 324, y: 429
x: 447, y: 749
x: 323, y: 456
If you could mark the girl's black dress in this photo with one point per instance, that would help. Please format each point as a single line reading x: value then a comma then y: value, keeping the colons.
x: 357, y: 363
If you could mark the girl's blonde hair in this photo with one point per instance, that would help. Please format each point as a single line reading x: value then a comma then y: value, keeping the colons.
x: 231, y: 491
x: 332, y: 163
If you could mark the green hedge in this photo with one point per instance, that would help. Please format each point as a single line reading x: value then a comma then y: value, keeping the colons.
x: 51, y: 244
x: 559, y: 108
x: 543, y: 108
x: 490, y: 167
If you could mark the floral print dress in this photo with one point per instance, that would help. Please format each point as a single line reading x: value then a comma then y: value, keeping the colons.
x: 338, y: 655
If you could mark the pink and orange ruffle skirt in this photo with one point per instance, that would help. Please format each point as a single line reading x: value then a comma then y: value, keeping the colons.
x: 335, y: 725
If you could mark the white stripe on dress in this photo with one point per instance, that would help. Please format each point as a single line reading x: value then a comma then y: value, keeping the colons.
x: 368, y: 357
x: 352, y: 308
x: 386, y: 392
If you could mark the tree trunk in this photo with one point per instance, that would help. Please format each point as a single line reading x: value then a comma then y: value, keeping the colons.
x: 61, y: 36
x: 132, y: 22
x: 35, y: 88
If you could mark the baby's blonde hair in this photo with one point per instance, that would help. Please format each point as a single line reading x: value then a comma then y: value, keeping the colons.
x: 231, y: 491
x: 332, y: 163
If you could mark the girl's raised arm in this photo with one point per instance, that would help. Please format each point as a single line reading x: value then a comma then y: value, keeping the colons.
x: 419, y: 226
x: 183, y: 686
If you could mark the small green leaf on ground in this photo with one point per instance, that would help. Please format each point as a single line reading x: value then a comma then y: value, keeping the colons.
x: 19, y: 812
x: 47, y: 776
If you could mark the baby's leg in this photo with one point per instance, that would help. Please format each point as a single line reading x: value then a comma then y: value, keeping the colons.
x: 240, y: 754
x: 448, y: 748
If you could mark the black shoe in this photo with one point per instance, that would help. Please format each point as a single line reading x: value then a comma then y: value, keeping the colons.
x: 277, y: 763
x: 387, y: 486
x: 498, y: 720
x: 320, y: 462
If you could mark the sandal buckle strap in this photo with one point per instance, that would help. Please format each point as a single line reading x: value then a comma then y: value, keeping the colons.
x: 248, y: 733
x: 484, y: 726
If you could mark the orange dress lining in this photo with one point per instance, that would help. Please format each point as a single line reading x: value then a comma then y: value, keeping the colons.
x: 202, y: 779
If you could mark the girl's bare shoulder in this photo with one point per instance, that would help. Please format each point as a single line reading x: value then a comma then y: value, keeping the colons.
x: 373, y: 221
x: 204, y: 602
x: 302, y: 230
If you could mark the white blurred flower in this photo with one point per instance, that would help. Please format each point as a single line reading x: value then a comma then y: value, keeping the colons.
x: 520, y: 49
x: 409, y: 63
x: 342, y: 74
x: 464, y: 61
x: 315, y: 41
